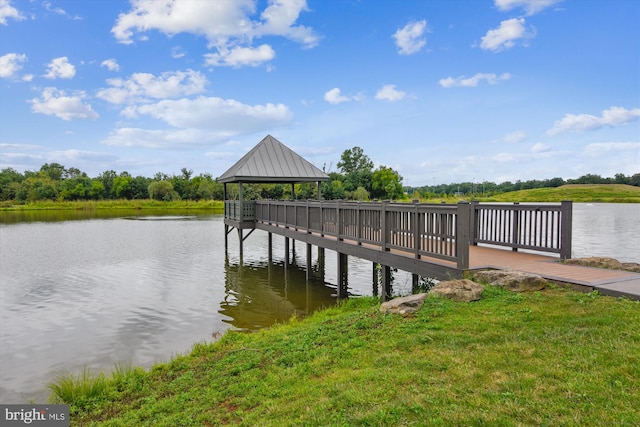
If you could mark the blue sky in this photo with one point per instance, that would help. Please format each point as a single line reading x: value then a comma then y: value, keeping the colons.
x: 441, y: 91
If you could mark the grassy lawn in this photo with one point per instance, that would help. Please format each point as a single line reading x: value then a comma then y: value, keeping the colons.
x: 556, y: 357
x: 579, y: 193
x: 609, y: 193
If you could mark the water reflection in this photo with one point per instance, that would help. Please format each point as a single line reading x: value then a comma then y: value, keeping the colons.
x: 260, y: 293
x: 45, y: 215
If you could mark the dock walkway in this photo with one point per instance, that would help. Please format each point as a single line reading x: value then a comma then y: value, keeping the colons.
x: 438, y: 241
x: 607, y: 282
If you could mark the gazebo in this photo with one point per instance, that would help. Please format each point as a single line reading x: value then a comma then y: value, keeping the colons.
x: 268, y: 162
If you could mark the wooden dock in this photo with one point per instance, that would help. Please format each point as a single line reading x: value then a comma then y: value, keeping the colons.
x: 607, y: 282
x: 438, y: 241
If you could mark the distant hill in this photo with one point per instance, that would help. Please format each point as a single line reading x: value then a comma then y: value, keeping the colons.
x: 592, y: 193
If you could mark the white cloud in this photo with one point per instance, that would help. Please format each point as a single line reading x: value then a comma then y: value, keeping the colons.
x: 199, y: 122
x: 8, y: 11
x: 462, y: 81
x: 240, y: 56
x: 162, y: 138
x: 20, y: 146
x: 505, y: 157
x: 220, y: 155
x: 217, y: 114
x: 142, y: 87
x: 47, y: 5
x: 530, y: 6
x: 409, y: 39
x: 54, y: 102
x: 60, y: 68
x: 513, y: 137
x: 80, y: 155
x: 279, y: 19
x: 540, y: 148
x: 505, y: 36
x: 217, y: 20
x: 614, y: 116
x: 227, y: 25
x: 177, y: 52
x: 390, y: 93
x: 111, y: 64
x: 598, y: 149
x: 10, y: 64
x: 334, y: 96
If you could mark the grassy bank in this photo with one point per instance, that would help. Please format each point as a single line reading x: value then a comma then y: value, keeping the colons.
x: 556, y: 357
x: 579, y: 193
x: 214, y: 205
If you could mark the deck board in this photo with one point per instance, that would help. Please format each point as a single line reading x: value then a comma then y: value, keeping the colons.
x: 615, y: 283
x: 545, y: 266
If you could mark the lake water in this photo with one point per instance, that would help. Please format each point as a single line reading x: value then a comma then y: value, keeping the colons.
x: 141, y: 289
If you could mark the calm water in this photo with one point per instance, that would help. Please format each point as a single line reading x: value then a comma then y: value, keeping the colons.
x: 139, y: 290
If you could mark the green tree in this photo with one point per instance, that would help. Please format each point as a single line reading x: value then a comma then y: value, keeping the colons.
x: 96, y: 189
x: 182, y: 183
x: 77, y: 188
x: 121, y: 188
x: 107, y: 178
x: 333, y: 189
x: 10, y: 180
x: 387, y: 184
x: 37, y: 188
x: 272, y: 191
x: 306, y: 190
x: 354, y: 160
x: 360, y: 194
x: 54, y: 171
x: 620, y: 178
x: 357, y: 168
x: 208, y: 188
x: 139, y: 188
x: 162, y: 190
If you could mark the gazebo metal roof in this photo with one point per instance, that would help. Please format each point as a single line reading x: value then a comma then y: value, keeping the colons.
x: 272, y: 161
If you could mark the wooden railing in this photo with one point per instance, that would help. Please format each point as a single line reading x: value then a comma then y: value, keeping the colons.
x: 236, y: 210
x: 438, y: 231
x: 537, y: 227
x: 425, y: 230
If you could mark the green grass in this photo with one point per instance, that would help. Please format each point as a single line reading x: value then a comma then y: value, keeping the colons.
x: 556, y: 357
x: 579, y: 193
x: 596, y: 193
x: 77, y: 390
x: 216, y: 205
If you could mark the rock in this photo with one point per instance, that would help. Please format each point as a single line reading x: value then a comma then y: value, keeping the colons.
x: 631, y: 266
x: 459, y: 290
x: 599, y: 262
x: 516, y: 281
x: 403, y: 305
x: 605, y: 262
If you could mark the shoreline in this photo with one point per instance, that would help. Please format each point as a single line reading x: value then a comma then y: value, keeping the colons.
x: 450, y: 363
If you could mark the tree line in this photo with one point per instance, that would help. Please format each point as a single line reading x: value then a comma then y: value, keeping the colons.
x: 54, y: 181
x: 488, y: 189
x: 355, y: 179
